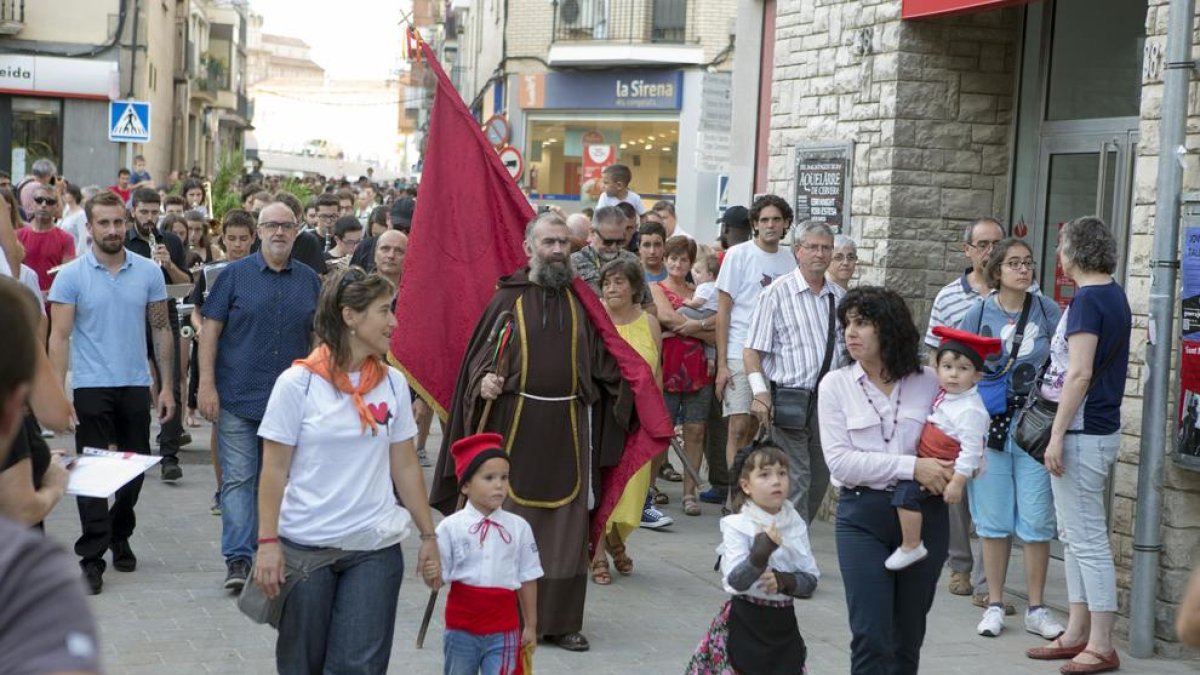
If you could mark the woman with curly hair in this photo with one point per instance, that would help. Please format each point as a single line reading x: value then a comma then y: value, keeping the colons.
x: 872, y: 413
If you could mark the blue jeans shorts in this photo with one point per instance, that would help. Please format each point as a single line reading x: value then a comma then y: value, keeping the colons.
x: 689, y: 407
x: 1012, y: 496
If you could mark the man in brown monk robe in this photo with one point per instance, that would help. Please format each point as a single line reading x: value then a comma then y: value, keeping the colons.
x: 560, y: 403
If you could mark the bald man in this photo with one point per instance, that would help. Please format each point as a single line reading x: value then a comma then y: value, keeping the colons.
x: 390, y: 250
x: 579, y: 227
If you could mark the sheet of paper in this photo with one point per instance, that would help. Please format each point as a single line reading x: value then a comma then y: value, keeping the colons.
x: 100, y: 473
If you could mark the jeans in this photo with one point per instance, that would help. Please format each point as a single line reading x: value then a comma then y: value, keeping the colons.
x: 341, y: 618
x: 468, y: 654
x: 808, y: 475
x: 1079, y: 495
x: 240, y: 453
x: 887, y: 609
x: 715, y: 438
x: 118, y: 416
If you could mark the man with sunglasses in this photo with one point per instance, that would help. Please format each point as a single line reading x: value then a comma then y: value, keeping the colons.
x: 258, y: 318
x: 46, y: 246
x: 606, y: 245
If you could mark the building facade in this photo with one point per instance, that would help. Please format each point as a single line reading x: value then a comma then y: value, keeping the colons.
x: 184, y: 57
x: 581, y: 84
x: 903, y: 120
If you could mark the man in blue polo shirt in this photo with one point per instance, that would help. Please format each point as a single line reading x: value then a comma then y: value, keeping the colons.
x: 257, y: 319
x: 101, y: 305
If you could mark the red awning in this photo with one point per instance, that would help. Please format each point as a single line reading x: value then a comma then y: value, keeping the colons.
x: 923, y: 9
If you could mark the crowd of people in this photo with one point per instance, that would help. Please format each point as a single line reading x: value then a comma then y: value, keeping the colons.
x: 783, y: 377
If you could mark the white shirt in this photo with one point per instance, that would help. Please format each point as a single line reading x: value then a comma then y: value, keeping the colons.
x: 339, y: 488
x: 746, y: 271
x: 494, y: 563
x: 680, y: 232
x: 631, y: 198
x: 790, y: 329
x: 793, y: 555
x: 707, y: 291
x: 963, y: 417
x: 75, y: 224
x: 29, y: 279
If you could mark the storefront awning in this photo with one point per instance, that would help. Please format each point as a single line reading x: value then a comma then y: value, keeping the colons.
x: 924, y: 9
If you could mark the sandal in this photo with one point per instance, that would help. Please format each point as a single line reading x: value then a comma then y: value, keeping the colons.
x: 1103, y: 664
x: 600, y: 574
x: 1052, y: 653
x: 621, y: 559
x: 660, y: 497
x: 668, y: 473
x: 691, y: 507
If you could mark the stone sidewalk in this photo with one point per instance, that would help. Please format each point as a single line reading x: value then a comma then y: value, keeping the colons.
x: 171, y: 615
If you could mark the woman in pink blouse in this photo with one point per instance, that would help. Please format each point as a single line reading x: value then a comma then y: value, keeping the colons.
x: 872, y: 413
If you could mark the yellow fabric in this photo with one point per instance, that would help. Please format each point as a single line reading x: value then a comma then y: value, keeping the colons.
x: 628, y: 512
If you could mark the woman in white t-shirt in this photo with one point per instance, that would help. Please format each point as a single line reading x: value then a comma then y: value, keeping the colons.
x: 337, y: 436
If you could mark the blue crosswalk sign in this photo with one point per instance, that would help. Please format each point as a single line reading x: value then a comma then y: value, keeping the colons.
x: 129, y: 121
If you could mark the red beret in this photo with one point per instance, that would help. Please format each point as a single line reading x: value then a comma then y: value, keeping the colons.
x: 974, y: 347
x: 467, y: 450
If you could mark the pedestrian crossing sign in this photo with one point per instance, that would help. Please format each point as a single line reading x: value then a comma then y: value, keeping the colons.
x: 129, y: 121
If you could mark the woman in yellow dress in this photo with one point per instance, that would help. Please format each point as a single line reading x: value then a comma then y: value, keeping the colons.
x: 620, y: 282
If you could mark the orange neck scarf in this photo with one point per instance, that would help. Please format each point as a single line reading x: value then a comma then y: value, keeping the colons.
x: 320, y: 362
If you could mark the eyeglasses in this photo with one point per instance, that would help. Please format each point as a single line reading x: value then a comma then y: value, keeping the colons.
x: 845, y: 257
x: 817, y: 248
x: 327, y: 216
x: 1016, y: 265
x: 286, y: 226
x: 45, y: 201
x: 982, y: 245
x: 605, y: 241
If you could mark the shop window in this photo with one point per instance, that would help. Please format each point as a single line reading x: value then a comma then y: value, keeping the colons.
x: 36, y: 133
x: 561, y: 164
x: 1096, y: 59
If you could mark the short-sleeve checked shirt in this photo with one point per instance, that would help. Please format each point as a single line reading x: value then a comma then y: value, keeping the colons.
x: 268, y: 319
x: 790, y: 328
x: 950, y: 306
x: 587, y: 265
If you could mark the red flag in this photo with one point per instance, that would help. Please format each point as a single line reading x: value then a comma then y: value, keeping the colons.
x: 468, y: 231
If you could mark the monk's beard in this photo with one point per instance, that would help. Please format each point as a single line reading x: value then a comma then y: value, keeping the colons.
x: 555, y: 274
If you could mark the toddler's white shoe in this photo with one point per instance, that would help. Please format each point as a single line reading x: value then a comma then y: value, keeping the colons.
x: 900, y: 559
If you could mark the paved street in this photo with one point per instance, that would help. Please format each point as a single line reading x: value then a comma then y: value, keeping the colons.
x: 171, y: 616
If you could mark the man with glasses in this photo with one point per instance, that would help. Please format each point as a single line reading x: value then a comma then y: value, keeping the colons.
x: 167, y: 250
x: 327, y: 215
x: 347, y: 233
x: 949, y: 307
x: 258, y: 318
x: 46, y: 246
x: 606, y: 245
x: 792, y: 342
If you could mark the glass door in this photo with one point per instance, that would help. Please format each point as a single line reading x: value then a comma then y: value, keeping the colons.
x: 1081, y: 174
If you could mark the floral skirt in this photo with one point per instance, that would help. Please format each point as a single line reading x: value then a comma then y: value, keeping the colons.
x: 712, y: 654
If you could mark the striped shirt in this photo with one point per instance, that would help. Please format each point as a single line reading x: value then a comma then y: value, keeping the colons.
x: 790, y: 327
x: 950, y: 305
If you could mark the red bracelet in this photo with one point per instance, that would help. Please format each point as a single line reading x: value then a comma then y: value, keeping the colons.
x: 268, y: 540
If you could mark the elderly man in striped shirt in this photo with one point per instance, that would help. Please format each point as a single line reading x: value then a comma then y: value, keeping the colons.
x: 793, y: 341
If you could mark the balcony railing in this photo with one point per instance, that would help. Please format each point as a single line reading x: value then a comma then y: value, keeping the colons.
x: 12, y: 16
x: 622, y: 21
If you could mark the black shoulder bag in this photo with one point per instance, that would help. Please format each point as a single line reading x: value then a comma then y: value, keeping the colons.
x: 1031, y: 432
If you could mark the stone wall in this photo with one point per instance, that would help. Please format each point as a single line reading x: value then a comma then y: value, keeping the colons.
x: 928, y: 105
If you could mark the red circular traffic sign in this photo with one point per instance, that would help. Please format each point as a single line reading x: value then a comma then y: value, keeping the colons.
x: 512, y: 160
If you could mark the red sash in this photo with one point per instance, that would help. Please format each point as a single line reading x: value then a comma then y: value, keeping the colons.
x: 482, y: 611
x: 937, y: 444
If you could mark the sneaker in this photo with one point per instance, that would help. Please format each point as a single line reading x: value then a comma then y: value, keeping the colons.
x: 713, y: 496
x: 93, y: 576
x: 122, y: 555
x: 238, y: 572
x: 1042, y: 623
x: 993, y: 622
x: 652, y: 518
x: 185, y: 439
x: 215, y: 509
x: 899, y: 559
x: 171, y: 472
x: 423, y: 458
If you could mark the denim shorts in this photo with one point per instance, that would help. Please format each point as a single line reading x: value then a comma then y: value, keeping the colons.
x: 1012, y: 496
x: 689, y: 407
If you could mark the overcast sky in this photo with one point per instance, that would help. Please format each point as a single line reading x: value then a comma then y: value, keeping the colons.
x: 351, y: 39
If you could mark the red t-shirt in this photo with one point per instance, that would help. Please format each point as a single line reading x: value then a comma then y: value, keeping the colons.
x: 44, y: 250
x: 123, y: 194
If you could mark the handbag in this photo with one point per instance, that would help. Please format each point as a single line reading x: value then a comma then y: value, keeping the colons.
x: 993, y: 387
x: 1031, y: 430
x: 794, y: 406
